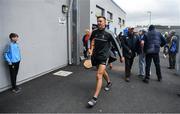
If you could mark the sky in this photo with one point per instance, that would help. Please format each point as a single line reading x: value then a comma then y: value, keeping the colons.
x: 163, y: 12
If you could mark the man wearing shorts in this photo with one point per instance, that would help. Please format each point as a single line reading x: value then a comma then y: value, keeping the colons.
x: 103, y: 41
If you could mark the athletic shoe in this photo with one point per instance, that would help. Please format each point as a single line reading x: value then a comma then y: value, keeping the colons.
x: 92, y: 102
x: 108, y: 86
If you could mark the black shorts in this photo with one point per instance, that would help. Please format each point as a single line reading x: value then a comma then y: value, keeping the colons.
x: 95, y: 61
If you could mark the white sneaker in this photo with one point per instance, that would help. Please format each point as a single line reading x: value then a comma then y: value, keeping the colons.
x: 92, y: 102
x: 108, y: 86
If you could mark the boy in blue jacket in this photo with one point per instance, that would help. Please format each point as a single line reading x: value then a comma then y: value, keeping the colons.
x: 13, y: 57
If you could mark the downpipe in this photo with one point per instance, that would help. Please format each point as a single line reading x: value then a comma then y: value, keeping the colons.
x: 69, y: 32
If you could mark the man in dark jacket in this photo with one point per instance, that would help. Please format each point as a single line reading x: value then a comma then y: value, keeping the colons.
x: 153, y: 41
x: 129, y: 42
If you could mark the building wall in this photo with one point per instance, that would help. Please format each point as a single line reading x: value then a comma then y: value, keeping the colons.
x: 43, y: 40
x: 84, y: 19
x: 87, y: 13
x: 107, y: 5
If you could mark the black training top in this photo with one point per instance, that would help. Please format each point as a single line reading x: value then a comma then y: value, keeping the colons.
x: 103, y: 41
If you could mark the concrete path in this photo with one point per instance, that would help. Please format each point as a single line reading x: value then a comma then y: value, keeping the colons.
x: 55, y: 94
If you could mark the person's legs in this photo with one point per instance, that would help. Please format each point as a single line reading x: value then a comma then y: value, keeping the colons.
x: 16, y: 73
x: 173, y: 61
x: 106, y: 76
x: 127, y: 69
x: 99, y: 75
x: 109, y: 83
x: 16, y: 69
x: 12, y: 76
x: 157, y: 65
x: 148, y: 66
x: 130, y: 65
x: 141, y: 65
x: 110, y: 65
x: 170, y: 60
x: 13, y: 73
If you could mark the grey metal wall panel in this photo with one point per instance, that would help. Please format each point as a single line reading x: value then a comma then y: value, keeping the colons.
x: 43, y: 40
x: 84, y: 19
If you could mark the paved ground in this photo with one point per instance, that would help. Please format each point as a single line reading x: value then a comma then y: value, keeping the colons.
x: 54, y: 94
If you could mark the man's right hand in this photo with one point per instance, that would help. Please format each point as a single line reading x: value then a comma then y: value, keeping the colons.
x: 121, y: 59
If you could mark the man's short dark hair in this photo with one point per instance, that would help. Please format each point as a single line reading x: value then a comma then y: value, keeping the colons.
x: 13, y: 35
x: 101, y: 17
x: 151, y: 27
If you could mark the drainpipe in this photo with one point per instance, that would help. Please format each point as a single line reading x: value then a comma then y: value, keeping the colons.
x: 75, y: 32
x: 69, y: 33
